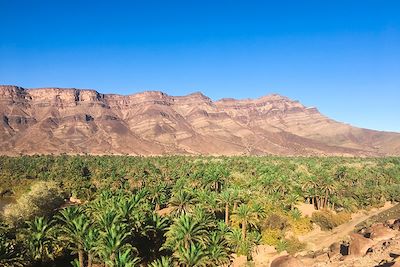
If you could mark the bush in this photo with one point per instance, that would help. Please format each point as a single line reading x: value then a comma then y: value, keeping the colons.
x: 327, y: 220
x: 275, y: 221
x: 300, y: 226
x: 271, y: 237
x: 291, y: 245
x: 41, y: 200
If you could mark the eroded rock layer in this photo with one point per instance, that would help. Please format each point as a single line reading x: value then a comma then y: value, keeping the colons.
x: 54, y: 120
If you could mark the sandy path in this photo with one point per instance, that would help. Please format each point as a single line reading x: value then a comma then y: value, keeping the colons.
x: 318, y: 240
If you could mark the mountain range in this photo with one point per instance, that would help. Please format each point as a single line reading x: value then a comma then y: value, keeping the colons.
x: 76, y: 121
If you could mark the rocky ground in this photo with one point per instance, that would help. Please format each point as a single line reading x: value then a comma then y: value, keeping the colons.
x: 375, y: 242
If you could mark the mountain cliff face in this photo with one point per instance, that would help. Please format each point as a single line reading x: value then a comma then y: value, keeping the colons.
x: 54, y: 120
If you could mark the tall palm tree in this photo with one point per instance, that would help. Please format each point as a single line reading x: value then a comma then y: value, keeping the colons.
x: 246, y: 216
x: 226, y: 198
x: 74, y: 230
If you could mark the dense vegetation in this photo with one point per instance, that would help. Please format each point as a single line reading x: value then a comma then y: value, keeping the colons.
x: 176, y: 211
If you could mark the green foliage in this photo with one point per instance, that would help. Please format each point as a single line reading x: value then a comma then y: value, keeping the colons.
x: 327, y: 220
x: 291, y: 245
x: 41, y: 200
x: 41, y: 240
x: 162, y: 262
x: 10, y: 254
x: 301, y: 225
x: 271, y: 236
x: 170, y: 211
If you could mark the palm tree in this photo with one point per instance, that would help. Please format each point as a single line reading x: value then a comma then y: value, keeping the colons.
x: 292, y: 199
x: 162, y: 262
x: 74, y: 229
x: 328, y: 186
x: 123, y: 258
x: 106, y: 218
x: 185, y: 231
x: 40, y: 240
x: 309, y: 183
x: 182, y: 202
x: 112, y: 239
x: 192, y: 256
x: 259, y: 210
x: 216, y: 175
x: 90, y: 245
x: 234, y: 238
x: 207, y: 200
x: 246, y: 216
x: 217, y: 250
x: 158, y: 195
x: 226, y: 198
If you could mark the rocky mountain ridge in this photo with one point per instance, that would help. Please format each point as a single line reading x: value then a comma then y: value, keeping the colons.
x: 55, y: 120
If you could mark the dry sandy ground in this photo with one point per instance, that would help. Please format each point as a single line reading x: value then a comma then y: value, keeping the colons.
x: 317, y: 240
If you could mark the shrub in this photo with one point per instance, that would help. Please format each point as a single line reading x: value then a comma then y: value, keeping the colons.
x: 41, y: 200
x: 293, y: 245
x: 300, y: 226
x: 271, y: 237
x: 327, y: 220
x: 275, y: 221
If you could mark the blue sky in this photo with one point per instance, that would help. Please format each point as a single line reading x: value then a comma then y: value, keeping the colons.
x: 341, y: 56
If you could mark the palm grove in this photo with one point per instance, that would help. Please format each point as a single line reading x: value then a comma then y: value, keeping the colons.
x: 176, y: 211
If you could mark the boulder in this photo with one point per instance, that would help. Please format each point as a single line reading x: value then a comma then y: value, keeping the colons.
x: 359, y: 245
x: 380, y: 232
x: 323, y: 258
x: 396, y: 225
x: 334, y: 250
x: 287, y: 261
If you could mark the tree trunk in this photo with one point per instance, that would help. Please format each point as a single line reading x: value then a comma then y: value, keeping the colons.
x: 244, y: 226
x: 80, y: 256
x: 227, y: 214
x: 326, y: 198
x: 90, y: 259
x: 235, y: 205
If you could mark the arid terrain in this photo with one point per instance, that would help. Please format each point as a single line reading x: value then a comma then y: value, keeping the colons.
x: 54, y: 120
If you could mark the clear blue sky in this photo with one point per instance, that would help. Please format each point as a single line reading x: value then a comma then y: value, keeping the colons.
x: 341, y: 56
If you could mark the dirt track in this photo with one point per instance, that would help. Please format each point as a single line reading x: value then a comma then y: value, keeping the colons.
x: 318, y: 240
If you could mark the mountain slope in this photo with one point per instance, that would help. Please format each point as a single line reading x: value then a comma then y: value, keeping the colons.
x: 54, y: 120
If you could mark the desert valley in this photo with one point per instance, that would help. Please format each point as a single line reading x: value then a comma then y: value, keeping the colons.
x: 90, y: 179
x: 207, y: 133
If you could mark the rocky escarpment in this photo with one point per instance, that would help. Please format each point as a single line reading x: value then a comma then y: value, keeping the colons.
x: 54, y: 120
